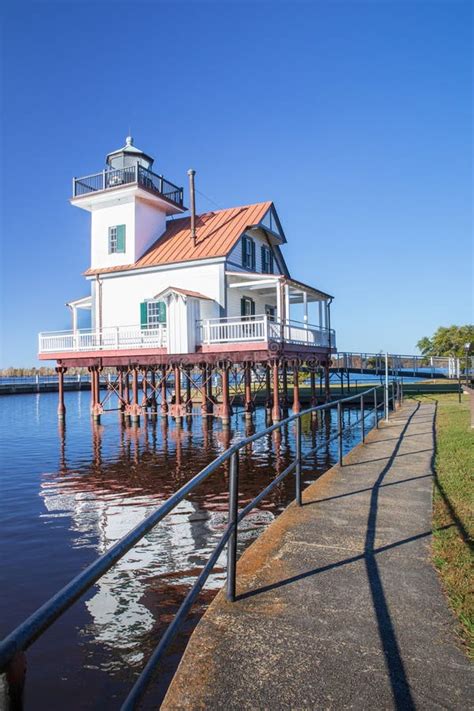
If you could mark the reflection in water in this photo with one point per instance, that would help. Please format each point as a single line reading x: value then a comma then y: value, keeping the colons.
x: 108, y: 478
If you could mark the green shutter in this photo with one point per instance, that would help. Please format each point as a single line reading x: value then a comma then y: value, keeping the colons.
x: 253, y: 254
x: 120, y: 238
x: 143, y: 314
x: 270, y: 269
x: 252, y: 307
x: 161, y: 312
x: 262, y: 257
x: 242, y: 307
x: 244, y: 251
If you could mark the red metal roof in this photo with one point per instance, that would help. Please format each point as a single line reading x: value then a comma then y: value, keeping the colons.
x: 216, y: 234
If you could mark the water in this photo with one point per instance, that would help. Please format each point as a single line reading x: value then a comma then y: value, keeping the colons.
x: 68, y: 493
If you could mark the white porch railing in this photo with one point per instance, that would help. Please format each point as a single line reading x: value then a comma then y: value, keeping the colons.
x: 112, y: 338
x: 240, y: 329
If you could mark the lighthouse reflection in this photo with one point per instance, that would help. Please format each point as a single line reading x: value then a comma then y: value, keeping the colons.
x: 131, y: 471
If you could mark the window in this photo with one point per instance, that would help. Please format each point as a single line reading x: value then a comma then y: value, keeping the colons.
x: 267, y: 260
x: 156, y: 313
x: 270, y: 312
x: 247, y: 307
x: 248, y: 253
x: 117, y: 239
x: 152, y: 313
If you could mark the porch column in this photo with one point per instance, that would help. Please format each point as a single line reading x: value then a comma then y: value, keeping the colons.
x: 305, y: 306
x: 164, y: 403
x: 61, y: 407
x: 296, y: 389
x: 276, y: 394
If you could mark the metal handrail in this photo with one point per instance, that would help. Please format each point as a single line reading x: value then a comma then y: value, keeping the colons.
x: 14, y: 645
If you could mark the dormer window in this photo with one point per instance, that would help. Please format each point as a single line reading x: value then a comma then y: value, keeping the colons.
x: 267, y: 260
x: 248, y: 253
x: 117, y: 239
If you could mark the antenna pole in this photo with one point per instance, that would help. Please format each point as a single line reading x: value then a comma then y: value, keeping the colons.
x: 192, y: 196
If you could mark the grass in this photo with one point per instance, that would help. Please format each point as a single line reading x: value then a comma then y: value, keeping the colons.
x: 453, y: 520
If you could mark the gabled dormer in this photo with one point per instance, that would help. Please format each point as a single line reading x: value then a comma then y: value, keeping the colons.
x: 129, y: 205
x: 258, y: 249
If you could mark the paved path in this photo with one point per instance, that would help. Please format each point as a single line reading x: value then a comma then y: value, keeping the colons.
x: 340, y: 606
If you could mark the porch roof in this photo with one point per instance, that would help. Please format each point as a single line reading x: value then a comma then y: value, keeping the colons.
x: 85, y: 302
x: 270, y: 280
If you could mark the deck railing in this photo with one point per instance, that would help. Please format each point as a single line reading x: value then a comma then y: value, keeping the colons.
x: 416, y: 365
x: 113, y: 178
x: 112, y: 338
x: 13, y: 647
x: 235, y: 329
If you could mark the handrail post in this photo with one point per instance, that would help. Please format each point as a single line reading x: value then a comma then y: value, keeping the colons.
x: 362, y: 417
x: 233, y: 512
x: 298, y: 463
x: 386, y: 388
x: 393, y: 396
x: 375, y: 409
x: 339, y: 431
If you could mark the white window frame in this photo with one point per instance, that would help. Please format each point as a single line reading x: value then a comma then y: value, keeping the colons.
x: 113, y: 244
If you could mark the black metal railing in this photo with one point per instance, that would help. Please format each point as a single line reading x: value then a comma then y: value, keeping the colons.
x: 113, y: 178
x: 12, y: 648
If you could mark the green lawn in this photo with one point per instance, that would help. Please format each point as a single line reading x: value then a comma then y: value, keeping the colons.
x: 453, y: 520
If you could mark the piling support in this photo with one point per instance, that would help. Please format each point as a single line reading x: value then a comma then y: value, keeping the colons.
x: 95, y: 383
x: 327, y: 384
x: 177, y: 394
x: 296, y: 389
x: 189, y: 401
x: 153, y: 403
x: 268, y: 399
x: 276, y: 393
x: 248, y: 402
x: 135, y: 408
x: 164, y: 400
x: 284, y: 383
x: 61, y: 406
x: 225, y: 409
x: 145, y: 389
x: 120, y: 388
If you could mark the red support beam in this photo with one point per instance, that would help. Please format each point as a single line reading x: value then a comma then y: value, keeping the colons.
x: 225, y: 409
x: 248, y: 402
x: 164, y: 395
x: 276, y: 393
x: 296, y: 389
x: 61, y: 406
x: 177, y: 394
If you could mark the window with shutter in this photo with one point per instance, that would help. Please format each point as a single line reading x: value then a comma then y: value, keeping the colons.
x: 156, y: 313
x: 248, y: 253
x: 116, y: 239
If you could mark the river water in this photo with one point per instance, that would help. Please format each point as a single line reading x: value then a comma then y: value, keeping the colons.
x: 68, y: 493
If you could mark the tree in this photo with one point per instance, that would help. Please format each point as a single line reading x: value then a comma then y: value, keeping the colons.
x: 447, y: 341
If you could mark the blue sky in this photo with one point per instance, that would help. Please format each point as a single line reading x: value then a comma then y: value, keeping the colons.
x: 353, y: 117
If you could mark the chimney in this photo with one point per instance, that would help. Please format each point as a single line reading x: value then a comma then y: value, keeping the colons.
x: 192, y: 197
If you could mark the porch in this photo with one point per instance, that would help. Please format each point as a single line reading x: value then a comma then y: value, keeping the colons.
x: 262, y: 328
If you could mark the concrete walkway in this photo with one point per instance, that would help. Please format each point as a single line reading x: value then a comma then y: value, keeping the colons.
x: 339, y: 605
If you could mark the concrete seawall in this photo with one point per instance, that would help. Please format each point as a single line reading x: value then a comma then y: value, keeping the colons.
x: 339, y: 605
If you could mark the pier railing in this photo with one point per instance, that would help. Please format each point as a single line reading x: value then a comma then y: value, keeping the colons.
x: 410, y: 365
x: 13, y: 647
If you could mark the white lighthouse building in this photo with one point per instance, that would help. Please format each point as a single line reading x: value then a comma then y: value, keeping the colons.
x: 213, y: 287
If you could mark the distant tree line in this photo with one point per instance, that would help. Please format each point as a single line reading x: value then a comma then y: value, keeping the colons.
x: 12, y: 372
x: 448, y: 341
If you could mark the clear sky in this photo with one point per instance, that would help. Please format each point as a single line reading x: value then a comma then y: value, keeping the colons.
x: 353, y: 117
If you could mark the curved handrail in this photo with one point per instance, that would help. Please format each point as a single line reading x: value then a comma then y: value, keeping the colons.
x: 37, y: 623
